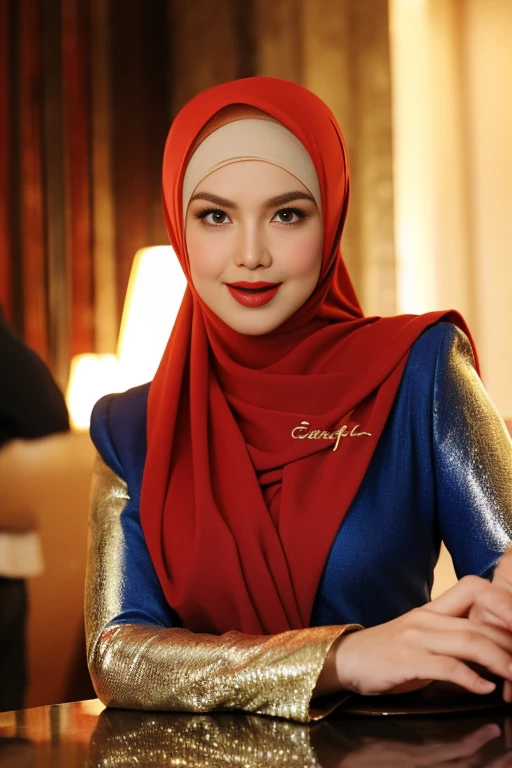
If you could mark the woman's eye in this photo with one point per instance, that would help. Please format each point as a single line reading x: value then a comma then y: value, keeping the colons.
x: 289, y: 215
x: 216, y: 217
x: 213, y: 217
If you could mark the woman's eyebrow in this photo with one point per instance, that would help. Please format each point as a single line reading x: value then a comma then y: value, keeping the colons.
x: 287, y: 197
x: 215, y: 199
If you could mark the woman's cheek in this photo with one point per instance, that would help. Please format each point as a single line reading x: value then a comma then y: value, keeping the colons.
x: 304, y: 257
x: 206, y: 258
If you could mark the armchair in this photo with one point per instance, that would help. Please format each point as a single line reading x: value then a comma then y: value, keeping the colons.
x: 44, y: 486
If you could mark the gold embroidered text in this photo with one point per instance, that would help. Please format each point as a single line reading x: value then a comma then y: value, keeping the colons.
x: 302, y: 432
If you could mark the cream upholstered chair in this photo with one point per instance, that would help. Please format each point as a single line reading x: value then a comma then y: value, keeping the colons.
x: 44, y: 485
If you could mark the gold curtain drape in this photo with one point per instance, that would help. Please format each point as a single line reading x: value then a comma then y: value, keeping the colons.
x: 89, y: 88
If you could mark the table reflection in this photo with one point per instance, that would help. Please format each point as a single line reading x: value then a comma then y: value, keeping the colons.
x: 17, y: 753
x: 84, y: 734
x: 137, y: 738
x: 201, y: 741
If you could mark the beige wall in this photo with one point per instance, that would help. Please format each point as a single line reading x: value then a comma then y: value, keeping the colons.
x: 488, y: 68
x: 345, y: 60
x: 452, y: 113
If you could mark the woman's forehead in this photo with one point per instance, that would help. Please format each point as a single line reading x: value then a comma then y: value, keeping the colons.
x: 251, y: 180
x: 250, y: 139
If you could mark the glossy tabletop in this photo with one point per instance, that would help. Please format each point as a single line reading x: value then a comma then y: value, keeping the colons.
x: 86, y: 734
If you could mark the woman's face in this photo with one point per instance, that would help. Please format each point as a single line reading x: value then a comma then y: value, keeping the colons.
x: 251, y: 223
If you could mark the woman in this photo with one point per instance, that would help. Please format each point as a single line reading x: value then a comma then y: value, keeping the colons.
x: 287, y: 477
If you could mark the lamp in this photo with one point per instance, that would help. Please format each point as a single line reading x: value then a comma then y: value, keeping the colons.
x: 155, y: 290
x: 91, y: 377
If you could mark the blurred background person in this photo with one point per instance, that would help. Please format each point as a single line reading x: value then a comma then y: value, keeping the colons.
x: 31, y: 406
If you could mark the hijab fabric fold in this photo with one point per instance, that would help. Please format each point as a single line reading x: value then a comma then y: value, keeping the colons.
x: 257, y: 445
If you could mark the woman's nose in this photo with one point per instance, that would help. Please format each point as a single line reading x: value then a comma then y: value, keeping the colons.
x: 252, y: 249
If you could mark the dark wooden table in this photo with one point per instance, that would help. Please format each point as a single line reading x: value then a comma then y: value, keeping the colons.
x: 86, y: 734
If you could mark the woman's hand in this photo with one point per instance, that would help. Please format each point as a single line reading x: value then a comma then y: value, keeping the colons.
x: 503, y: 579
x: 433, y: 642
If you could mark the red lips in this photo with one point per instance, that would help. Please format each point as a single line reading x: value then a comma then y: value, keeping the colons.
x: 253, y: 286
x: 253, y: 294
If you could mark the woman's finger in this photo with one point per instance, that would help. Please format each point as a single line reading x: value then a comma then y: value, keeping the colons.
x: 471, y: 646
x: 482, y: 616
x: 452, y: 670
x: 502, y: 637
x: 470, y: 591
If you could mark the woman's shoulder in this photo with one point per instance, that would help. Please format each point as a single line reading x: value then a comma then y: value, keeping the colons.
x: 442, y: 340
x: 435, y: 360
x: 118, y: 429
x: 440, y: 346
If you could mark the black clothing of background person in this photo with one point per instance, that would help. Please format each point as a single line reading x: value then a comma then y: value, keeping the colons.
x: 31, y: 405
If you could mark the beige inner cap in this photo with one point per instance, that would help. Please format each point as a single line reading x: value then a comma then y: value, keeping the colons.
x: 251, y: 139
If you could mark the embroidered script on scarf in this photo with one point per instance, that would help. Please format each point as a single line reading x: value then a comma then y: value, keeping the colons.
x: 302, y: 432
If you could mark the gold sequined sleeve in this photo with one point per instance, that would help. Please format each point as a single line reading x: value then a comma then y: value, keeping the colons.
x: 473, y: 464
x: 138, y: 660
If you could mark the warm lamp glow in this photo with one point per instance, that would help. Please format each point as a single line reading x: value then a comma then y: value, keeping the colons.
x: 154, y: 295
x: 413, y: 172
x: 153, y: 298
x: 91, y: 377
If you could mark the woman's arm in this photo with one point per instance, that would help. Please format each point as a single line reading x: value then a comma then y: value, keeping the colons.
x: 139, y: 660
x: 473, y: 475
x: 474, y: 457
x: 473, y: 463
x: 474, y: 467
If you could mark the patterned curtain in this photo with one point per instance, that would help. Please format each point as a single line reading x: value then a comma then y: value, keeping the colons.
x: 88, y: 89
x: 83, y: 88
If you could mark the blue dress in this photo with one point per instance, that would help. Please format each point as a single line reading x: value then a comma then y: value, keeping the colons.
x: 442, y: 470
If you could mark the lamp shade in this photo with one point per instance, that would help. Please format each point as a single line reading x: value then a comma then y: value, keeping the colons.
x: 155, y: 291
x: 91, y: 377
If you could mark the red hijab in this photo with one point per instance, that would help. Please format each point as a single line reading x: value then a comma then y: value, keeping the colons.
x: 241, y: 500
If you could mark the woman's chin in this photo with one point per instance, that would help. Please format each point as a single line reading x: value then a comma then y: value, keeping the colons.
x: 252, y: 322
